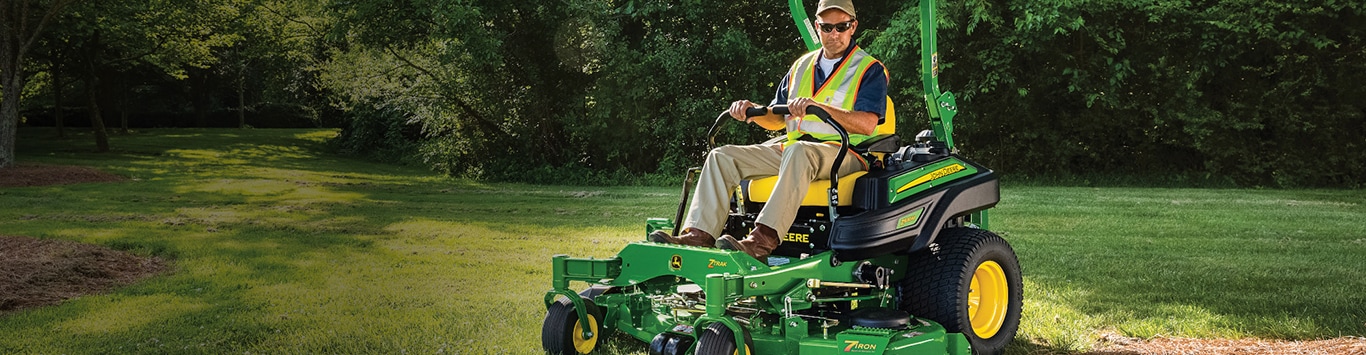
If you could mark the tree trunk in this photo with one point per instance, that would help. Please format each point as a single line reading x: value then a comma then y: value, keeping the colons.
x: 199, y: 97
x: 57, y: 100
x: 123, y: 120
x: 16, y: 37
x: 92, y: 90
x: 96, y: 120
x: 10, y: 83
x: 241, y: 102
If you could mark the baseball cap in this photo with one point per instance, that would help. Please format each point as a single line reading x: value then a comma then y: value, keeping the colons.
x: 843, y: 5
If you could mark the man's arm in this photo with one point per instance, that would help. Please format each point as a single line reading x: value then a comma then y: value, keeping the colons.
x: 855, y: 122
x: 869, y: 107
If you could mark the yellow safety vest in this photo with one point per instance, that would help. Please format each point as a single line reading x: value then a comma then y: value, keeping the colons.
x: 840, y: 90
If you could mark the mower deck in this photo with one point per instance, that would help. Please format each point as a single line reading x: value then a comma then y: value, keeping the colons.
x: 655, y: 290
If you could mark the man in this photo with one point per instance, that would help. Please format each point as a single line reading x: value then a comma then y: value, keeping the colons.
x: 840, y: 78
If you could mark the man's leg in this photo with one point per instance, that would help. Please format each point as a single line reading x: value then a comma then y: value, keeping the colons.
x: 722, y: 172
x: 802, y: 162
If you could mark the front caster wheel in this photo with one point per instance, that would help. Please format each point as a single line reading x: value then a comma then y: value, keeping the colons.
x: 562, y: 332
x: 718, y: 339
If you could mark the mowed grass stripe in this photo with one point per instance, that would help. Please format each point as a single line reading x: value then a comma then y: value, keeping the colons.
x: 279, y: 247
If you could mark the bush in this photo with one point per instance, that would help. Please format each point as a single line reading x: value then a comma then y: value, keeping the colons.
x: 380, y: 134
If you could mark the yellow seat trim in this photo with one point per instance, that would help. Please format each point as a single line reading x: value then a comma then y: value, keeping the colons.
x: 762, y: 189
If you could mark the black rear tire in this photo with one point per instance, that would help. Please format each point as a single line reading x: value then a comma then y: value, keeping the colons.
x: 558, y: 333
x: 941, y: 280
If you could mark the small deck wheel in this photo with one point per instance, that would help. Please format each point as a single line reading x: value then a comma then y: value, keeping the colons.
x: 718, y: 339
x: 563, y: 333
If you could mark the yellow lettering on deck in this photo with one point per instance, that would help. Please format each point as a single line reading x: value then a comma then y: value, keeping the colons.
x: 856, y: 345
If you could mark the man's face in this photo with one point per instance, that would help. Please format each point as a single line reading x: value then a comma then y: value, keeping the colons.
x: 834, y: 42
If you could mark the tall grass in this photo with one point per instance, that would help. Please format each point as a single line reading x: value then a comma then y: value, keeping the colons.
x: 278, y: 247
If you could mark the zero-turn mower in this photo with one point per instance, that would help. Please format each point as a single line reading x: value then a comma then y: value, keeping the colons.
x: 894, y: 260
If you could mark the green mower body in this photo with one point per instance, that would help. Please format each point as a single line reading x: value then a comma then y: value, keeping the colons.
x: 882, y: 280
x: 908, y: 266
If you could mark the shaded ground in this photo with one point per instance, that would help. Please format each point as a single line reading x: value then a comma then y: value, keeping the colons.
x: 42, y: 175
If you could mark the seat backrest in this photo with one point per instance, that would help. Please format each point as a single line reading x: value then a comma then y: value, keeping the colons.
x: 888, y: 125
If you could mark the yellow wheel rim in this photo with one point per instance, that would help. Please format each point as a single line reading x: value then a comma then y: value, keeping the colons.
x: 988, y: 299
x: 581, y: 344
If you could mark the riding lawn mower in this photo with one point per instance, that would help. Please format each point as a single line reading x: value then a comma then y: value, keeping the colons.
x: 898, y: 259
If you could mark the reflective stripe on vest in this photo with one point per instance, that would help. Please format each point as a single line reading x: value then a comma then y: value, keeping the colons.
x: 840, y: 90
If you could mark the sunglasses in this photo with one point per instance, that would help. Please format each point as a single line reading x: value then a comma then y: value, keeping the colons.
x: 840, y: 27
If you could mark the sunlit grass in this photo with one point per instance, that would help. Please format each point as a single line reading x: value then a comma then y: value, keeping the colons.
x: 1186, y: 262
x: 277, y: 247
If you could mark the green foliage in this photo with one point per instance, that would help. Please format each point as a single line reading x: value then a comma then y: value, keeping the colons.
x: 1258, y: 92
x: 673, y: 70
x: 380, y: 134
x: 1244, y: 92
x: 576, y: 89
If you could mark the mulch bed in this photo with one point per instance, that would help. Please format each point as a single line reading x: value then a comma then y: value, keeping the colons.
x: 40, y: 272
x: 1120, y: 345
x: 25, y: 174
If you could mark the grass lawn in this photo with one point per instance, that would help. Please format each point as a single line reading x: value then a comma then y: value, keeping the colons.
x: 277, y: 247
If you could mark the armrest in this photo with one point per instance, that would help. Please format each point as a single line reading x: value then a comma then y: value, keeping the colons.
x: 887, y: 143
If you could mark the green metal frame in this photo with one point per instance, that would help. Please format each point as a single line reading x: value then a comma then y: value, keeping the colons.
x: 804, y: 26
x: 942, y: 105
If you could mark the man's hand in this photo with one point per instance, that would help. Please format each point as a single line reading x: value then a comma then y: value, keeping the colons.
x: 855, y: 122
x: 737, y: 110
x: 797, y: 107
x: 770, y: 121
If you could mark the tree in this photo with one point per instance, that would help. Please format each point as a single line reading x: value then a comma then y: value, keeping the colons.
x: 272, y: 66
x: 589, y: 84
x: 21, y: 22
x: 173, y: 37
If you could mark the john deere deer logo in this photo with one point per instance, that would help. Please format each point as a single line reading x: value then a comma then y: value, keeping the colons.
x: 676, y: 262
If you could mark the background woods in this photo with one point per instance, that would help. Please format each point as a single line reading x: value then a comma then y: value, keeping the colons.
x: 1245, y: 92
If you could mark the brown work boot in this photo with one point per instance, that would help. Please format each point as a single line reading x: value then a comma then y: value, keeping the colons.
x: 758, y: 244
x: 691, y: 236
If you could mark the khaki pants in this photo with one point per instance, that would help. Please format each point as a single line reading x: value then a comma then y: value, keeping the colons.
x: 796, y: 167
